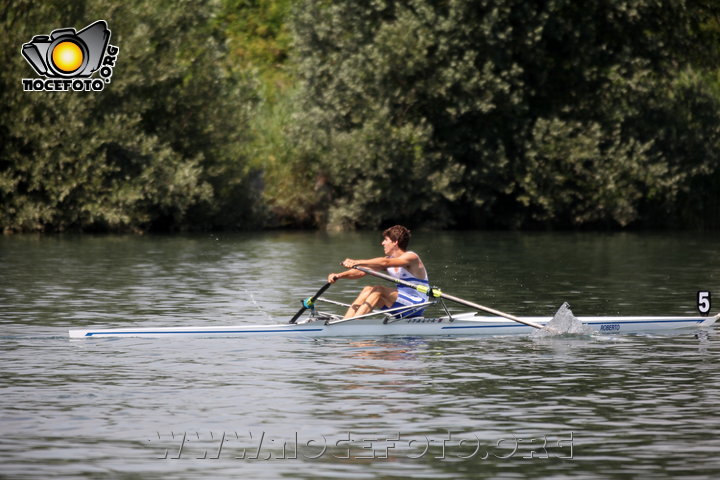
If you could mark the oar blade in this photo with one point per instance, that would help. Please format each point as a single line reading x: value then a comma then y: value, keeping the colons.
x: 297, y: 315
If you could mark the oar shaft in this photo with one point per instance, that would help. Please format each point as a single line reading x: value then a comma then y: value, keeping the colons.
x: 434, y: 292
x: 493, y: 311
x: 309, y: 302
x: 385, y: 276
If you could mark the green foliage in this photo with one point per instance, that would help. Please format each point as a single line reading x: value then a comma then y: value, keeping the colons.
x: 158, y: 148
x: 507, y: 112
x: 685, y: 129
x: 344, y: 114
x: 259, y: 42
x: 259, y: 39
x: 576, y: 173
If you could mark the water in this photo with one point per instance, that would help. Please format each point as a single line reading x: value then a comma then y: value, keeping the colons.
x: 563, y: 323
x: 630, y: 406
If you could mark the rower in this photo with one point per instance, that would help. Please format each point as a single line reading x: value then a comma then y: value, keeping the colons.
x: 399, y: 263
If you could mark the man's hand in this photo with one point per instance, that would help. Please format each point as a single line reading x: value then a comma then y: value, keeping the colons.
x: 349, y: 263
x: 332, y: 278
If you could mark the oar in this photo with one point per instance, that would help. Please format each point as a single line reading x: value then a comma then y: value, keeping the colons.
x: 436, y: 292
x: 309, y: 302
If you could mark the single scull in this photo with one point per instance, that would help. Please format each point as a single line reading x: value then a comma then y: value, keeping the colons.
x: 385, y: 322
x: 462, y: 324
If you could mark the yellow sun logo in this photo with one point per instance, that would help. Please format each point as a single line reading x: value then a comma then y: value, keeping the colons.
x: 67, y: 56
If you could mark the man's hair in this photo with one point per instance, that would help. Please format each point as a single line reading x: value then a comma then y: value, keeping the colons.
x: 398, y: 234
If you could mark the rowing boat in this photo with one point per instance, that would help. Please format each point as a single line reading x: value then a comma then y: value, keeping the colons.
x: 391, y: 321
x: 461, y: 324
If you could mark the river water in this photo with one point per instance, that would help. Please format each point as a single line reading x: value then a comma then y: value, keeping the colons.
x: 623, y: 406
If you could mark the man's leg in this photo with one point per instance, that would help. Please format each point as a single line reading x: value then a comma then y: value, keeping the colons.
x: 371, y: 297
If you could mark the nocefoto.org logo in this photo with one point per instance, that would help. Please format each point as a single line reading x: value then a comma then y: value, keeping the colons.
x: 67, y: 59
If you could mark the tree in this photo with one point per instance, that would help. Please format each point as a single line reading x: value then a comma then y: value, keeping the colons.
x: 159, y: 147
x: 501, y: 112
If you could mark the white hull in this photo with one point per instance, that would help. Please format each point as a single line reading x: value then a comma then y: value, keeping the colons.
x: 465, y: 324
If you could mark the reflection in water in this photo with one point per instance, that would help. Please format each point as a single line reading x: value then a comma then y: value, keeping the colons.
x: 635, y: 406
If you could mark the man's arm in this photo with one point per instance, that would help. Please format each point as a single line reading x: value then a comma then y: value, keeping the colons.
x: 351, y: 274
x: 407, y: 259
x: 404, y: 260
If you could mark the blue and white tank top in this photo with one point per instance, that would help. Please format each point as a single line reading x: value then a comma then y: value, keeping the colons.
x: 402, y: 273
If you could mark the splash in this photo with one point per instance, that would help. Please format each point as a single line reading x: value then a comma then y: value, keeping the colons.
x: 258, y: 306
x: 564, y: 323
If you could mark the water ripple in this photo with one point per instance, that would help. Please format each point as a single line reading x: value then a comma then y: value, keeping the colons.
x: 634, y: 406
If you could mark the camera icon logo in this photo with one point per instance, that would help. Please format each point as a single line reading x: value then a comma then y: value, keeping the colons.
x: 67, y: 54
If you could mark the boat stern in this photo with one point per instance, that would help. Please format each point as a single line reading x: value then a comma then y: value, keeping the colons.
x: 710, y: 321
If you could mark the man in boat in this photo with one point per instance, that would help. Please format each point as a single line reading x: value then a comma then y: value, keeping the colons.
x: 399, y: 263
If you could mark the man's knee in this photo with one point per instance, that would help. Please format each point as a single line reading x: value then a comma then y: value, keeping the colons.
x: 379, y: 290
x: 367, y: 290
x: 374, y: 295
